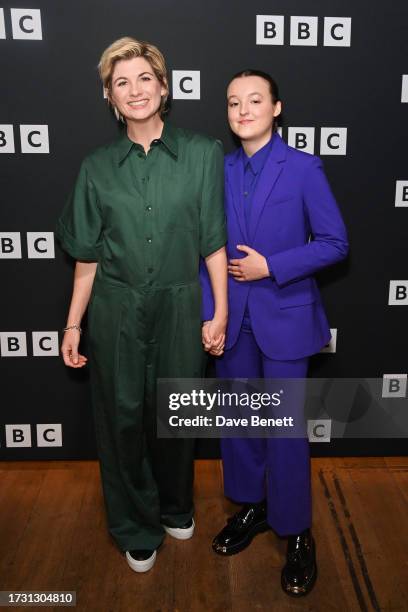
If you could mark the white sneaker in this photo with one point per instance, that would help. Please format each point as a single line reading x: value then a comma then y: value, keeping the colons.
x: 142, y: 564
x: 181, y: 533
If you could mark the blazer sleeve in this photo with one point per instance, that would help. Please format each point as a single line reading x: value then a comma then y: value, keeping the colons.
x: 328, y: 243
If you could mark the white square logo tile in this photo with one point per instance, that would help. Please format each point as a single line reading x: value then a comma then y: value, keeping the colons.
x: 333, y: 141
x: 34, y: 139
x: 40, y: 245
x: 7, y: 139
x: 49, y: 434
x: 337, y: 32
x: 18, y: 435
x: 331, y: 347
x: 401, y: 193
x: 398, y: 294
x: 186, y: 84
x: 13, y: 344
x: 45, y: 344
x: 10, y: 245
x: 269, y: 29
x: 404, y: 88
x: 319, y: 430
x: 303, y: 31
x: 302, y: 138
x: 2, y: 25
x: 394, y: 385
x: 26, y: 24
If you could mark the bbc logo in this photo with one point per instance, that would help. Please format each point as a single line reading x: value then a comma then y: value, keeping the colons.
x: 270, y: 30
x: 404, y: 88
x: 33, y: 139
x: 25, y: 24
x: 331, y: 347
x: 394, y: 385
x: 401, y: 194
x: 333, y: 141
x: 47, y: 434
x: 44, y: 344
x: 319, y: 430
x: 398, y: 293
x: 186, y: 84
x: 40, y: 245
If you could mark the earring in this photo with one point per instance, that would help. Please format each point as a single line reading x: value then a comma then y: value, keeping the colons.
x: 118, y: 116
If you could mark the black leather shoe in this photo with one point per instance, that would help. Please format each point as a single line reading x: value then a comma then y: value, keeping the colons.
x: 300, y: 572
x: 241, y: 529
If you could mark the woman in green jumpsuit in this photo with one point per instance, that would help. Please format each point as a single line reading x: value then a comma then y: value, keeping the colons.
x: 142, y: 212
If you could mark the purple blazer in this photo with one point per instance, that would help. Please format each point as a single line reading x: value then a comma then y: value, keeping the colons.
x: 296, y: 224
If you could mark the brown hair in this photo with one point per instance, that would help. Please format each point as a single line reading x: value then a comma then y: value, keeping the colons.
x: 273, y: 87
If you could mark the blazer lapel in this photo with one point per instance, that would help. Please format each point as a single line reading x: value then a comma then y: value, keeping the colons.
x: 235, y: 179
x: 270, y: 174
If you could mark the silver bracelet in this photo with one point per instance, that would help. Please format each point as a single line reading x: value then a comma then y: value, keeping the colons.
x: 72, y: 327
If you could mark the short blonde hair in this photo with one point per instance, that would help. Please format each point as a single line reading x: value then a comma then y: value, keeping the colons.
x: 127, y: 48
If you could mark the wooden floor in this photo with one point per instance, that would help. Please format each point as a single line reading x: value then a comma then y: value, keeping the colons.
x: 53, y: 537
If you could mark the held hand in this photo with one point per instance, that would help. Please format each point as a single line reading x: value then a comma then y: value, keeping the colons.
x: 249, y: 268
x: 69, y: 350
x: 213, y: 336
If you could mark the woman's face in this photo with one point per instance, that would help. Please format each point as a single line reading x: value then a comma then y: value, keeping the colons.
x: 136, y: 91
x: 251, y: 111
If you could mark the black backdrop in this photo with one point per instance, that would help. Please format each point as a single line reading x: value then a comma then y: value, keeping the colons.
x: 48, y: 57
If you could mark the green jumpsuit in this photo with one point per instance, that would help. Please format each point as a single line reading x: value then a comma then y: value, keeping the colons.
x: 145, y: 219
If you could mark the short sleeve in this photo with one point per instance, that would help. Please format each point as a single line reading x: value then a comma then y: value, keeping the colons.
x: 213, y: 234
x: 79, y: 227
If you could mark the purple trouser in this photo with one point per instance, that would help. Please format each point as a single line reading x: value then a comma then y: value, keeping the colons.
x: 277, y: 469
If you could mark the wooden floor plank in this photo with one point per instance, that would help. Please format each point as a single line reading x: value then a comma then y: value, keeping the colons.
x: 385, y: 510
x: 16, y: 485
x: 53, y: 536
x: 48, y: 532
x: 337, y: 569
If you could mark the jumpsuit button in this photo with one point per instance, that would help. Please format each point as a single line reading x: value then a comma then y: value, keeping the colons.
x: 149, y: 240
x: 149, y: 208
x: 150, y: 270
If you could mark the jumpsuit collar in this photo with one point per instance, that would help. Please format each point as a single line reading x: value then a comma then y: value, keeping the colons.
x: 168, y: 138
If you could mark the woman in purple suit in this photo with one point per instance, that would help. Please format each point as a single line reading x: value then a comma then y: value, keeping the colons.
x: 283, y: 226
